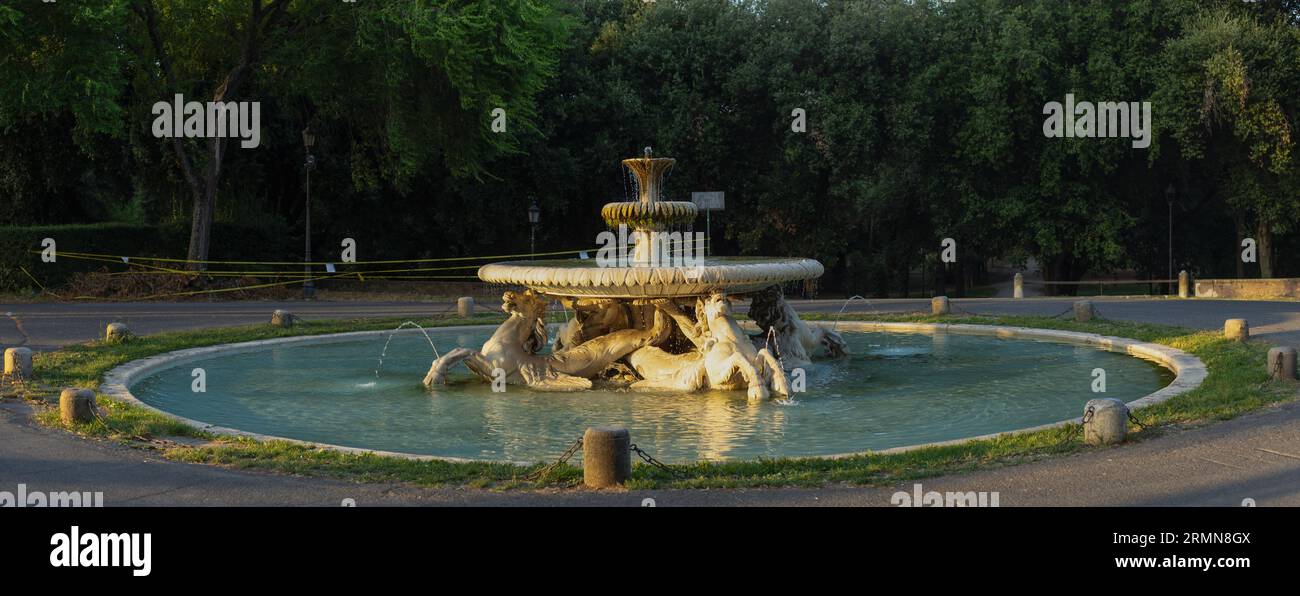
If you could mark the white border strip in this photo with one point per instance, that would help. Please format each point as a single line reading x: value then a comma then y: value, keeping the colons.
x: 1189, y: 371
x: 116, y: 382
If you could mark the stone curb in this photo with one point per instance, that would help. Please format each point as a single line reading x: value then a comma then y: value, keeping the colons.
x: 1189, y: 371
x: 116, y: 382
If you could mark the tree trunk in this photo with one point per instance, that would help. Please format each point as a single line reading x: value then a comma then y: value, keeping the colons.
x: 1236, y: 250
x: 205, y: 202
x: 201, y: 228
x: 260, y: 19
x: 1047, y: 267
x: 1264, y: 245
x: 1060, y: 268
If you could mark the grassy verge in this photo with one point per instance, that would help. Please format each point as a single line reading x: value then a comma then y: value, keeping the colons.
x: 1235, y: 385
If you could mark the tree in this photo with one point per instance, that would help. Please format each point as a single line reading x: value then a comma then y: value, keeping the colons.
x: 201, y: 167
x: 421, y: 77
x: 1230, y: 91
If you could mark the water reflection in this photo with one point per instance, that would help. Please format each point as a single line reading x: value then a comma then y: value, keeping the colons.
x: 894, y: 390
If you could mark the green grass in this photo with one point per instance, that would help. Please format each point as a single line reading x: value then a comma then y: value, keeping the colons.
x: 1236, y: 384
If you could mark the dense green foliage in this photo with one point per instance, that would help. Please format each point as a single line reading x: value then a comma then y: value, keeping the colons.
x: 399, y: 93
x: 924, y: 121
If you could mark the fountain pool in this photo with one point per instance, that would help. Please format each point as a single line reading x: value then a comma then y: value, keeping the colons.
x: 891, y: 390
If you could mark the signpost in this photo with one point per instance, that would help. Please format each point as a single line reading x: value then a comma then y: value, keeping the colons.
x: 708, y: 202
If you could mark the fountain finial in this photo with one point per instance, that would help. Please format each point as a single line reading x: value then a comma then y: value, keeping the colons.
x: 649, y: 171
x: 649, y: 213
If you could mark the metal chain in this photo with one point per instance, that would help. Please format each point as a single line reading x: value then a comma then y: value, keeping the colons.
x: 1273, y: 374
x: 647, y: 458
x: 953, y: 306
x: 1087, y: 416
x: 542, y: 472
x: 1095, y: 311
x: 1134, y: 419
x: 103, y: 421
x: 17, y: 383
x: 1069, y: 436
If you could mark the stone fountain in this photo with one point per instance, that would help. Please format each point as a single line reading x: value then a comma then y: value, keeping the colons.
x: 660, y: 319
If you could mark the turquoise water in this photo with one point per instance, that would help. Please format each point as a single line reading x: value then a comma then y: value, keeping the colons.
x: 893, y: 390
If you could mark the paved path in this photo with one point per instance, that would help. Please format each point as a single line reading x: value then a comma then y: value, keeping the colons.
x: 1275, y: 321
x: 1255, y: 456
x: 46, y: 326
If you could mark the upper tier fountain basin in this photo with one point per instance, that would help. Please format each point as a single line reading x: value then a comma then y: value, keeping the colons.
x: 585, y: 278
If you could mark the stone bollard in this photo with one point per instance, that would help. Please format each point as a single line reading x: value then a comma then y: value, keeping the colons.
x: 282, y: 318
x: 939, y: 305
x: 1184, y: 284
x: 1281, y: 363
x: 606, y: 457
x: 18, y: 363
x: 465, y: 307
x: 1018, y: 286
x: 1108, y: 422
x: 1237, y: 329
x: 116, y: 332
x: 77, y: 405
x: 1083, y: 311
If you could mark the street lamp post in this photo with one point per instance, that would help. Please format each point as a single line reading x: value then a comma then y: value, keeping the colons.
x: 1170, y: 194
x: 308, y: 141
x: 534, y: 216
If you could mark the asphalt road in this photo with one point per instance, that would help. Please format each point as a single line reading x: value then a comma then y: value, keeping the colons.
x: 1255, y: 456
x: 1274, y: 321
x: 46, y: 326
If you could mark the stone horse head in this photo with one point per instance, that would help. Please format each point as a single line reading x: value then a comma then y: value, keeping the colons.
x: 714, y: 305
x: 529, y: 307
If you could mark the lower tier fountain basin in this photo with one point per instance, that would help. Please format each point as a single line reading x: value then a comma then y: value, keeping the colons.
x: 903, y: 385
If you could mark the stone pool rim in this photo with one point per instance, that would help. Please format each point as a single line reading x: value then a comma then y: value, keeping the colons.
x: 1189, y: 372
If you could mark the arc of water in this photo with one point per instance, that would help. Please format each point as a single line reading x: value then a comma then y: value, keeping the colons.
x: 771, y: 333
x: 384, y: 353
x: 844, y: 306
x: 565, y: 310
x: 627, y: 183
x: 663, y: 183
x: 789, y: 399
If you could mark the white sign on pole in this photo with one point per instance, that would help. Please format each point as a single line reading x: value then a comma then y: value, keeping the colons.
x: 709, y: 201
